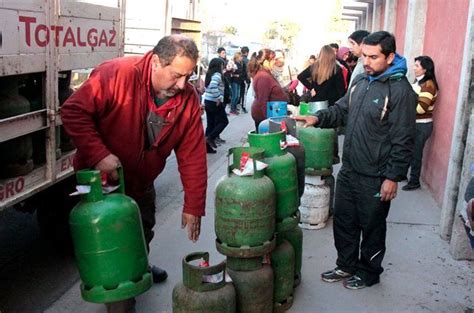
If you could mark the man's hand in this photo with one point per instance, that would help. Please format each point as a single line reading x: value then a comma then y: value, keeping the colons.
x: 309, y: 120
x: 194, y: 225
x: 109, y: 165
x: 388, y: 191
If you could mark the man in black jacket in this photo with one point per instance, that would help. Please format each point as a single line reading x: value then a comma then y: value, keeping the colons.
x: 379, y: 112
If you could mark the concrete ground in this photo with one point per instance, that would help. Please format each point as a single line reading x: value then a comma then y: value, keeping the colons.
x: 420, y: 275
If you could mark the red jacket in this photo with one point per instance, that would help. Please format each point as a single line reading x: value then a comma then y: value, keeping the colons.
x: 266, y: 89
x: 108, y: 114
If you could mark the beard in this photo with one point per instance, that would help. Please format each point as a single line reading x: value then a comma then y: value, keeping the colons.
x: 168, y: 93
x: 371, y: 72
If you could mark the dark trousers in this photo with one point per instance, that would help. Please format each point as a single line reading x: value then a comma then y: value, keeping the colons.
x: 423, y: 132
x: 243, y: 89
x: 216, y: 118
x: 359, y: 211
x: 146, y: 203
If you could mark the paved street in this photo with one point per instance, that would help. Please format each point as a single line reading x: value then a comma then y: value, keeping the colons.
x: 420, y: 275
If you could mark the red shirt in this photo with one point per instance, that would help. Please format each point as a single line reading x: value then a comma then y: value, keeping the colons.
x: 108, y: 115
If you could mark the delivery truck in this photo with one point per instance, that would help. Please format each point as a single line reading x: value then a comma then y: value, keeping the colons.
x: 47, y: 49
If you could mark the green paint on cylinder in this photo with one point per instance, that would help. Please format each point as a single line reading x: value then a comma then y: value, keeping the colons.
x: 319, y: 147
x: 281, y: 170
x: 197, y: 295
x: 245, y: 205
x: 254, y: 289
x: 295, y: 238
x: 283, y: 264
x: 109, y: 243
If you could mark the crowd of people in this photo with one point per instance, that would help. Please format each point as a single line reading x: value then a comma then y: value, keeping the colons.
x: 365, y: 89
x: 133, y: 112
x: 265, y: 76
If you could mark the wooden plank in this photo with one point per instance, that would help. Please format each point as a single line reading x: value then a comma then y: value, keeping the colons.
x: 16, y: 189
x: 137, y: 49
x: 22, y: 64
x: 13, y: 190
x: 30, y: 5
x: 84, y: 60
x: 141, y: 36
x: 184, y: 24
x: 23, y: 124
x: 88, y: 10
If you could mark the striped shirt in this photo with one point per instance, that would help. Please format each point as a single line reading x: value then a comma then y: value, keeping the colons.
x: 427, y: 94
x: 215, y: 89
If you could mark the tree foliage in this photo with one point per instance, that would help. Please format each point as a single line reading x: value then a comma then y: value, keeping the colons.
x: 336, y: 24
x: 232, y: 30
x: 285, y: 31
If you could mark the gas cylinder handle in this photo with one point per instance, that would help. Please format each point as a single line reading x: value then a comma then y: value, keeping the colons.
x: 255, y: 168
x: 193, y: 275
x: 121, y: 187
x: 254, y: 153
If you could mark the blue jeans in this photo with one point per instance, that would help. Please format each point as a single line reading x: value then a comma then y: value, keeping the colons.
x: 235, y: 96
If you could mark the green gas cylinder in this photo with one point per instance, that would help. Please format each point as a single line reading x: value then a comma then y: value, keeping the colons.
x: 283, y: 264
x: 108, y: 242
x: 203, y: 289
x: 295, y: 238
x: 319, y: 149
x: 299, y: 154
x: 15, y: 154
x: 281, y: 170
x: 276, y: 125
x: 253, y: 282
x: 319, y: 143
x: 245, y: 209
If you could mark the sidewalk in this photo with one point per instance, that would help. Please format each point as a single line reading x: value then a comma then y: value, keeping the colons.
x: 420, y: 275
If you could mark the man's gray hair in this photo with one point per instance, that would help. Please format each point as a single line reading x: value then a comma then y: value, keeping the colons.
x: 175, y: 45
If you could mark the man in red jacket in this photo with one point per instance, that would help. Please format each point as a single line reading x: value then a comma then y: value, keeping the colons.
x: 133, y: 112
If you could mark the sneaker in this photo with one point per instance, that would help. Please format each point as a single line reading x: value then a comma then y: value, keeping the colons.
x: 411, y: 186
x: 234, y: 113
x: 334, y: 275
x: 159, y: 275
x: 209, y: 149
x: 244, y: 110
x: 211, y: 143
x: 219, y: 140
x: 354, y: 283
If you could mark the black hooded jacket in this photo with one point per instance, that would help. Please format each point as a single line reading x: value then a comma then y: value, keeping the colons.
x: 379, y: 114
